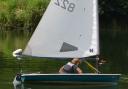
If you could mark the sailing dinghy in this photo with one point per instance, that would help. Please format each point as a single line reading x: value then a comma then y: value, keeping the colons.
x: 68, y: 29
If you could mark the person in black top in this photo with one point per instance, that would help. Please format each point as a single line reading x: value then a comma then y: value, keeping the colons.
x: 71, y: 67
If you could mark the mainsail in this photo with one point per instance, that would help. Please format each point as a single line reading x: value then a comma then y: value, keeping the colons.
x: 68, y: 29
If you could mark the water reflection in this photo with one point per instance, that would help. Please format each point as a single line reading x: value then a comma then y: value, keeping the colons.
x: 55, y: 86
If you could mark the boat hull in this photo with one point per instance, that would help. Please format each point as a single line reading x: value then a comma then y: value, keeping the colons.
x: 72, y: 78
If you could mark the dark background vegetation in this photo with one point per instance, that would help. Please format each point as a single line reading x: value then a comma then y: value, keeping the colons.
x: 25, y: 14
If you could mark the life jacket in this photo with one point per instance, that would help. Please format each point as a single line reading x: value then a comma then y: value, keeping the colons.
x: 70, y: 68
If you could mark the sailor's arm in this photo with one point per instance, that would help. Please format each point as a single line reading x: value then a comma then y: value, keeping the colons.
x: 61, y: 70
x: 79, y: 71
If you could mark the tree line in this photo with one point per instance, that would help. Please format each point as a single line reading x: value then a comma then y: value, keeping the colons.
x: 113, y: 7
x: 25, y: 14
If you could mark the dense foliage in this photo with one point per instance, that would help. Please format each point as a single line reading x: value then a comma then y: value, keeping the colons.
x: 21, y: 14
x: 113, y: 7
x: 25, y: 14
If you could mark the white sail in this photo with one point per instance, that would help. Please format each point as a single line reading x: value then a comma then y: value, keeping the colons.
x: 69, y: 28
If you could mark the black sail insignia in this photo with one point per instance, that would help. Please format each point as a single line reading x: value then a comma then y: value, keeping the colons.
x: 68, y: 47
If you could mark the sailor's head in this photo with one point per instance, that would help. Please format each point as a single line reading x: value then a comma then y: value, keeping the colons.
x: 76, y: 61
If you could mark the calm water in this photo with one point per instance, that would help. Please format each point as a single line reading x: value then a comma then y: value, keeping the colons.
x: 113, y: 48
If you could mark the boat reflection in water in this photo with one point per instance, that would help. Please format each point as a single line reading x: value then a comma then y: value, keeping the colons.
x: 62, y: 86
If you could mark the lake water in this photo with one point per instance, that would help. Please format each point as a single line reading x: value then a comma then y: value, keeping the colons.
x: 113, y: 48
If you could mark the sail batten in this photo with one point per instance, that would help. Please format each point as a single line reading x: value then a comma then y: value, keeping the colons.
x: 69, y: 28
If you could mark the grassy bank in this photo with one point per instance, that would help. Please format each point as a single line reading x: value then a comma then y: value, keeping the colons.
x: 21, y: 14
x: 25, y: 14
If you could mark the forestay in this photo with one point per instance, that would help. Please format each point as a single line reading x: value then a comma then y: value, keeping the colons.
x: 69, y: 28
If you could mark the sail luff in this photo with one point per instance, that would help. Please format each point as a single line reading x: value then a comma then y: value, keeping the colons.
x: 95, y: 36
x: 97, y: 19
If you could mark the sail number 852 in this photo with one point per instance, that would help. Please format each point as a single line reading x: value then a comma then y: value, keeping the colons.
x: 65, y: 4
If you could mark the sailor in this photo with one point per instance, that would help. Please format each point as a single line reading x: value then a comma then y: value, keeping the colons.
x: 71, y: 67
